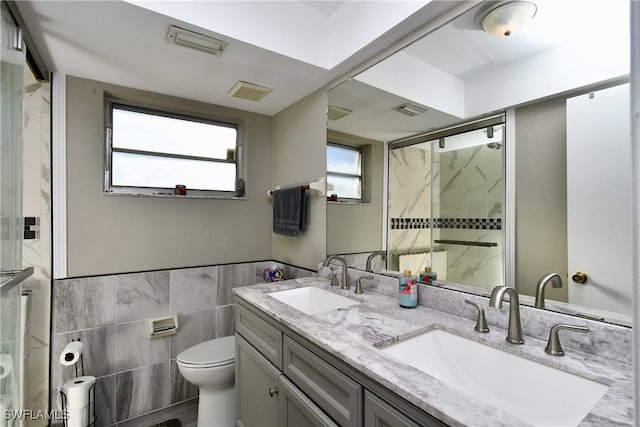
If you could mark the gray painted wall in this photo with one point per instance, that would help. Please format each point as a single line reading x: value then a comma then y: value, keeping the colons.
x: 541, y: 196
x: 358, y: 227
x: 113, y: 234
x: 298, y: 157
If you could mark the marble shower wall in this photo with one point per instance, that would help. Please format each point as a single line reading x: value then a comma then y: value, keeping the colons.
x: 110, y: 315
x: 409, y: 197
x: 469, y: 184
x: 36, y: 252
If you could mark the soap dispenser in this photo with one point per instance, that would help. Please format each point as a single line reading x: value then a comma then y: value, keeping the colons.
x: 427, y: 276
x: 408, y: 291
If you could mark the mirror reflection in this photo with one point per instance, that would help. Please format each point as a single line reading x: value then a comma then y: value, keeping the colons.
x: 563, y: 88
x: 445, y: 207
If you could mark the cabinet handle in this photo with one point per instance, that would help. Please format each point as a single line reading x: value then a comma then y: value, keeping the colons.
x: 273, y: 391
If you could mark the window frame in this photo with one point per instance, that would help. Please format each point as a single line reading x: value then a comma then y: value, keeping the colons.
x: 360, y: 150
x: 109, y: 188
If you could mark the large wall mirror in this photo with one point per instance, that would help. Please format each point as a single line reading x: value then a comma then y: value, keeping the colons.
x: 497, y: 160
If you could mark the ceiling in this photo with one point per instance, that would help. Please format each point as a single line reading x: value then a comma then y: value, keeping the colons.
x: 555, y: 54
x: 294, y: 47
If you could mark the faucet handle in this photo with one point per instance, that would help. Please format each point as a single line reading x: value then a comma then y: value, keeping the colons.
x: 481, y: 322
x: 553, y: 345
x: 359, y: 283
x: 334, y: 279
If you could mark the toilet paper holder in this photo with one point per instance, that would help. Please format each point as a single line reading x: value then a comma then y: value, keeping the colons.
x: 72, y: 354
x: 92, y: 409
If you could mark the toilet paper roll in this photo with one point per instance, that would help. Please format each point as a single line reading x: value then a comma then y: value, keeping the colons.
x: 71, y: 353
x: 79, y: 401
x: 6, y: 365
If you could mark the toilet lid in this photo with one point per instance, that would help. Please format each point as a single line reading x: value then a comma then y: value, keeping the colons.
x: 219, y: 351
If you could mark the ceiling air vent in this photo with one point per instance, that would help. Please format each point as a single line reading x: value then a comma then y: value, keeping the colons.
x: 409, y: 109
x: 249, y: 91
x: 335, y: 113
x: 197, y: 41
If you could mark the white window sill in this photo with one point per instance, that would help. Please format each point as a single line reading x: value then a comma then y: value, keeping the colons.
x: 347, y: 202
x: 174, y: 196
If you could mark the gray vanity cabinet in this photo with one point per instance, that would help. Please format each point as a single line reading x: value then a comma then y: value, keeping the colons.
x: 257, y: 382
x: 298, y: 410
x: 337, y: 394
x: 284, y: 380
x: 265, y: 397
x: 378, y: 413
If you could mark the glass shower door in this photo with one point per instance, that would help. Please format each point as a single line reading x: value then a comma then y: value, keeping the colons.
x: 12, y: 60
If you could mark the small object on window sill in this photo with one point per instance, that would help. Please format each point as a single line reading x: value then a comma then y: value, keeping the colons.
x: 180, y: 190
x: 332, y: 198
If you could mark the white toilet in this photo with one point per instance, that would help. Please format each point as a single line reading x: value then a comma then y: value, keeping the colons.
x: 211, y: 366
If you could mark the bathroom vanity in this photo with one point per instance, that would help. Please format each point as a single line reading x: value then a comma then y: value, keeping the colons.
x: 332, y: 368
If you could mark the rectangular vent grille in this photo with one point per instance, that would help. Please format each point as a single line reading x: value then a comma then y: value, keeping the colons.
x: 335, y: 113
x: 249, y: 91
x: 409, y: 109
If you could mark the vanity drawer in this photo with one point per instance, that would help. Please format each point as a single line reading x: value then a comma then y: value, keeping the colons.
x: 378, y: 413
x: 335, y: 393
x: 266, y: 338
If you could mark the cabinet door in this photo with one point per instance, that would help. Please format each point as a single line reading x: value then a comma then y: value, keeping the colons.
x: 298, y: 410
x: 256, y: 388
x: 378, y: 413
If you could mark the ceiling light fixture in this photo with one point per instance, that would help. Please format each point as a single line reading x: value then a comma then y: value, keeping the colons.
x: 335, y: 113
x: 409, y: 109
x: 502, y: 18
x: 193, y: 40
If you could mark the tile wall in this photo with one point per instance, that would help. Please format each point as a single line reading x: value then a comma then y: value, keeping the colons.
x: 409, y: 197
x: 36, y: 252
x: 469, y: 184
x: 110, y: 315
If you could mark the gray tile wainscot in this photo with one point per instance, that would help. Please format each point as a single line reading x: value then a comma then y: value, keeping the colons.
x: 351, y: 334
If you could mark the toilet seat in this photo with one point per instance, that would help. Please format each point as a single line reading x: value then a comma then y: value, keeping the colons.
x: 209, y: 354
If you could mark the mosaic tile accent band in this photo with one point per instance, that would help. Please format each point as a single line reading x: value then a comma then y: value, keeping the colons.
x: 453, y: 223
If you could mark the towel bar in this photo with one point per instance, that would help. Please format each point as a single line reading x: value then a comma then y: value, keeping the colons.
x: 320, y: 185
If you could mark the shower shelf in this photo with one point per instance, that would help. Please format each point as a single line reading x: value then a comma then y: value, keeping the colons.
x: 466, y: 243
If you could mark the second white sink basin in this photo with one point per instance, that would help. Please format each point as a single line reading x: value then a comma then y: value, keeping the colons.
x: 312, y: 300
x: 535, y: 393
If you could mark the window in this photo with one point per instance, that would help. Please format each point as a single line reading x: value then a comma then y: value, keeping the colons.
x: 150, y: 152
x: 344, y: 171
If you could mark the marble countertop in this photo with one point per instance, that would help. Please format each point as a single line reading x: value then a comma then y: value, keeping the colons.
x: 353, y: 334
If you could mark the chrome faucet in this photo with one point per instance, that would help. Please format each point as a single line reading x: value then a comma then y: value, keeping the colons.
x: 345, y: 271
x: 514, y: 330
x: 359, y: 280
x: 481, y: 321
x: 556, y: 282
x: 553, y: 345
x: 383, y: 255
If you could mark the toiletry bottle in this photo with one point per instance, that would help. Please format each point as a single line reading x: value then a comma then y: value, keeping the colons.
x: 427, y: 276
x: 408, y: 291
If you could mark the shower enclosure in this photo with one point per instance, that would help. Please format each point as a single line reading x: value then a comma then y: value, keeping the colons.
x: 445, y: 204
x: 12, y: 61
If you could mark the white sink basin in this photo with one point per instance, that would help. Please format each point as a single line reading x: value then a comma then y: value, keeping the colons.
x: 312, y: 300
x: 535, y: 393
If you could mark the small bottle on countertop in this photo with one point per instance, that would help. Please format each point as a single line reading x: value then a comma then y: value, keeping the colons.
x: 408, y: 291
x: 427, y: 276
